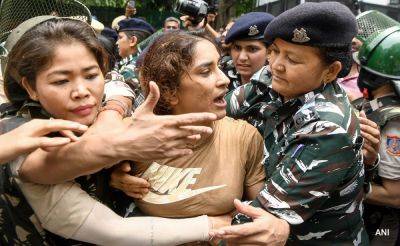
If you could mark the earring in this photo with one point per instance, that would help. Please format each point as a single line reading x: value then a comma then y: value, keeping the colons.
x: 35, y: 98
x: 324, y: 81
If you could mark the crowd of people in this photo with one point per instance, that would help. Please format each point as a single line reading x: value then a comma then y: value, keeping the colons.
x: 274, y: 131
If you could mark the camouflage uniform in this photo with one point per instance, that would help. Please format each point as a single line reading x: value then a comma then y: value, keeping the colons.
x: 385, y: 111
x: 226, y: 65
x: 313, y: 160
x: 18, y: 225
x: 126, y: 68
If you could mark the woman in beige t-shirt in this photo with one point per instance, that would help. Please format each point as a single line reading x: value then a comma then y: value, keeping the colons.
x: 223, y: 166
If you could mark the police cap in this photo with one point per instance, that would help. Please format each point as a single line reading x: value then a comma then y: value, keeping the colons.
x: 134, y: 24
x: 249, y: 26
x: 325, y: 24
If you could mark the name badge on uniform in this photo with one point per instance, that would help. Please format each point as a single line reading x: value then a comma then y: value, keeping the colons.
x: 304, y: 116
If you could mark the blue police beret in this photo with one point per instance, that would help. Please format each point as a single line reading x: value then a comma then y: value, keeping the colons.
x: 134, y: 24
x: 325, y: 24
x: 249, y: 26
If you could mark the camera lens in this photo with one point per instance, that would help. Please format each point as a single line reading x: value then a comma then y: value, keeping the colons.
x: 179, y: 5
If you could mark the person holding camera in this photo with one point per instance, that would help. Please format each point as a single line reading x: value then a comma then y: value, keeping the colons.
x: 196, y: 14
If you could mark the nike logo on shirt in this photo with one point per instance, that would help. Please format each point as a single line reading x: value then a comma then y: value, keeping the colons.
x: 170, y: 184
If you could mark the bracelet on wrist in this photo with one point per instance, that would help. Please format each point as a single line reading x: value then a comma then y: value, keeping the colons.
x: 116, y: 105
x: 375, y: 166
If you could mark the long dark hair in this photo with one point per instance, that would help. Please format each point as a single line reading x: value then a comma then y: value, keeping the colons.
x: 35, y: 50
x: 166, y: 60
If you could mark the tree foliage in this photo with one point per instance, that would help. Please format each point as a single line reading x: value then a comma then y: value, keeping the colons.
x: 159, y: 5
x: 227, y: 8
x: 240, y: 6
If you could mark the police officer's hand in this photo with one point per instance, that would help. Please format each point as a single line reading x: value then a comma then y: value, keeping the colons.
x: 131, y: 185
x: 266, y: 229
x: 32, y: 135
x: 149, y: 136
x: 372, y: 137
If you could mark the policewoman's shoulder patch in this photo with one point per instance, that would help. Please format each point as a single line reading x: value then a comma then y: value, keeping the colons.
x: 393, y: 145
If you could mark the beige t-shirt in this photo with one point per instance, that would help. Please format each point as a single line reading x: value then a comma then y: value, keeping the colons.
x: 207, y: 181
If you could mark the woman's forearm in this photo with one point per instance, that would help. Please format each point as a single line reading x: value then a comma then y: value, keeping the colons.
x: 104, y: 227
x: 9, y: 148
x: 88, y: 155
x: 211, y: 30
x: 68, y: 211
x: 382, y: 195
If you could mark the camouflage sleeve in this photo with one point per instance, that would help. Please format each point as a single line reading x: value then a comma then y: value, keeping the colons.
x: 237, y: 100
x: 311, y: 170
x: 129, y: 74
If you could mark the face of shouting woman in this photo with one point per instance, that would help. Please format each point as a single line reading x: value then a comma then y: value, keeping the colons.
x: 71, y: 88
x: 203, y: 87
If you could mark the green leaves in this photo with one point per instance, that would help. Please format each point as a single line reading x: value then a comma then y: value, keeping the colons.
x: 151, y: 4
x: 104, y: 3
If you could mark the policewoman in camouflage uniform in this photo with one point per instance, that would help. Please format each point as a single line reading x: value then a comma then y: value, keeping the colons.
x: 248, y: 52
x: 379, y: 78
x: 312, y: 142
x: 131, y: 32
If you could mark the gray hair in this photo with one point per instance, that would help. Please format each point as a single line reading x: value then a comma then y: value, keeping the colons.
x: 172, y: 19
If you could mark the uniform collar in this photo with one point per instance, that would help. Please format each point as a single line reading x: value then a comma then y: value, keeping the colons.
x: 264, y: 78
x: 280, y: 111
x: 310, y: 96
x: 256, y: 75
x: 128, y: 59
x: 31, y: 109
x: 377, y: 103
